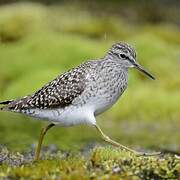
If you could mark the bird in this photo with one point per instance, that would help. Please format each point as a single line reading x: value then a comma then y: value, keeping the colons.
x: 81, y: 93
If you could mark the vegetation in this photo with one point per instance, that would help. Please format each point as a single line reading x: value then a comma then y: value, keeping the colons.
x: 39, y: 42
x: 104, y: 163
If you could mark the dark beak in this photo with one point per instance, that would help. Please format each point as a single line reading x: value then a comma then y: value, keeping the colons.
x: 140, y: 68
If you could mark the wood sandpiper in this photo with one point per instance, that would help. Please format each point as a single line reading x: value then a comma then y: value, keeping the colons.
x: 80, y: 94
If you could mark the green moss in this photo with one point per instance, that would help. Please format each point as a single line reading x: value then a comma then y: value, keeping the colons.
x: 100, y: 163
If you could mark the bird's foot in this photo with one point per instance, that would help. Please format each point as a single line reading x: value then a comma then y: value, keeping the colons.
x: 147, y: 154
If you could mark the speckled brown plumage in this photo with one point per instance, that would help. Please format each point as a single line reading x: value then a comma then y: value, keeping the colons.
x: 58, y: 93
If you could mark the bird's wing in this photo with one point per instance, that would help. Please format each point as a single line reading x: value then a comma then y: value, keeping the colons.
x: 58, y: 93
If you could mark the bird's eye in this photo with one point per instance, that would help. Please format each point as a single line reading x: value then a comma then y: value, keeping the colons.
x: 123, y: 56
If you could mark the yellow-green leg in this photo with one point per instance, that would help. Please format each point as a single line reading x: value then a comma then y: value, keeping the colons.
x: 43, y: 133
x: 114, y: 143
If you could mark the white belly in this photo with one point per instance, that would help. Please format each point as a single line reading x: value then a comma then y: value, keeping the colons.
x: 66, y: 117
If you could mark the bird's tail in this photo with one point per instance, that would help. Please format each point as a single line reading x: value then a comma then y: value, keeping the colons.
x: 5, y: 103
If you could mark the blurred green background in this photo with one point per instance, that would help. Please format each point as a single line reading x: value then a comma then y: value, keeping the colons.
x: 41, y: 39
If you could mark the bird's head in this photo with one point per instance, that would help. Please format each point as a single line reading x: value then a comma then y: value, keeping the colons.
x: 126, y: 56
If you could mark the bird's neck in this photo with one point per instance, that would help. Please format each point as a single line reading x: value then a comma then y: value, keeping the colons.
x: 113, y: 66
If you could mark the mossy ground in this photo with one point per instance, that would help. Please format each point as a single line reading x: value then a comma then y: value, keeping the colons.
x: 38, y: 42
x: 99, y: 163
